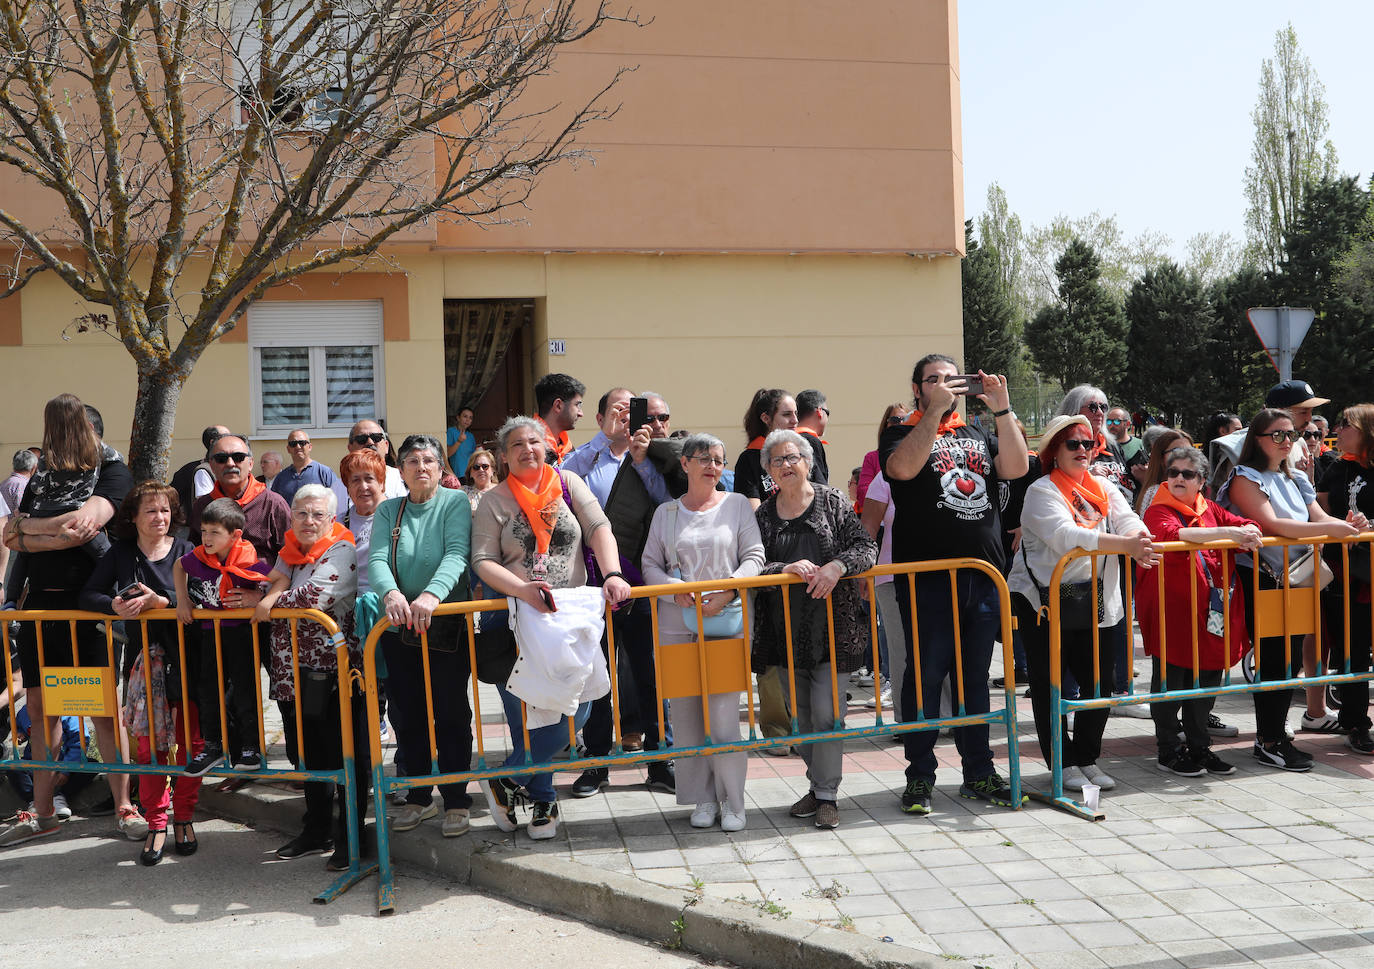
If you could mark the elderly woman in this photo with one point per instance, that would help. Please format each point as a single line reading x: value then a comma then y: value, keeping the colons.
x: 1179, y: 512
x: 527, y: 541
x: 316, y: 569
x: 1263, y: 488
x: 1069, y: 508
x: 705, y: 534
x: 810, y: 530
x: 1161, y: 441
x: 134, y: 576
x: 480, y: 475
x: 420, y: 560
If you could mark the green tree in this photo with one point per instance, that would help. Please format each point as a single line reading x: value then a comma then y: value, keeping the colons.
x: 1171, y: 324
x: 990, y: 340
x: 1241, y: 370
x: 1355, y: 268
x: 1000, y: 231
x: 1082, y: 335
x: 1122, y: 260
x: 1212, y: 256
x: 1290, y: 151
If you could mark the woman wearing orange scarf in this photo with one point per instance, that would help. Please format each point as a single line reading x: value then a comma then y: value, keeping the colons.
x: 1066, y: 509
x: 1179, y: 512
x: 317, y: 569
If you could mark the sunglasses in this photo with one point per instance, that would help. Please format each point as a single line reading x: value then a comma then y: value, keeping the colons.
x: 1115, y: 422
x: 481, y: 467
x: 893, y: 420
x: 1078, y: 444
x: 297, y: 443
x: 1278, y: 437
x: 1311, y: 435
x: 362, y: 440
x: 224, y: 457
x: 661, y: 418
x: 1096, y: 408
x: 1187, y: 474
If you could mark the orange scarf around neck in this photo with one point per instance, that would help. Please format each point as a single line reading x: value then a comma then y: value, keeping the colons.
x: 807, y: 430
x: 540, y: 505
x: 1355, y: 459
x: 1100, y: 445
x: 1192, y: 514
x: 1087, y: 498
x: 558, y: 443
x: 293, y: 553
x: 255, y: 488
x: 755, y: 445
x: 948, y: 425
x: 239, y: 562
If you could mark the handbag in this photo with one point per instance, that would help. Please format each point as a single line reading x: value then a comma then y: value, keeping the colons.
x: 1306, y: 569
x: 440, y: 637
x: 1075, y: 600
x: 726, y: 624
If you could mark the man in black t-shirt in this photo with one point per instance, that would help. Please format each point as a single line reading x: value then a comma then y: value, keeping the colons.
x: 944, y: 478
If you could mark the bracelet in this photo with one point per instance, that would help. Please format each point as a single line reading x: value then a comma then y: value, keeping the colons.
x: 1001, y: 413
x: 613, y: 575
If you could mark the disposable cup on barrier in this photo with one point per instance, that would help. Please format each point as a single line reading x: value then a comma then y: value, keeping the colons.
x: 1091, y: 795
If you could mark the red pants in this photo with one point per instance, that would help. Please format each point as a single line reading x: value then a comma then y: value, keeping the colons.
x: 154, y: 791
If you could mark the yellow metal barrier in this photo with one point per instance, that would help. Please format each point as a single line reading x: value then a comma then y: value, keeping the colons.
x: 107, y: 674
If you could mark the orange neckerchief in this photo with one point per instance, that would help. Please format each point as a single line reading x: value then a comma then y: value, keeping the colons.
x: 1192, y: 514
x: 558, y: 443
x: 293, y: 554
x: 540, y: 505
x: 1084, y: 497
x: 948, y: 425
x: 255, y: 488
x: 1100, y: 446
x: 755, y: 445
x: 807, y: 430
x: 240, y: 560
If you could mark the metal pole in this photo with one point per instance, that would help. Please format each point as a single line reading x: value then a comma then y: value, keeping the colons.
x: 1285, y: 336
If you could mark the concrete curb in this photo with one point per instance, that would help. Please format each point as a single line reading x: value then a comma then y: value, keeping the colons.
x: 723, y: 929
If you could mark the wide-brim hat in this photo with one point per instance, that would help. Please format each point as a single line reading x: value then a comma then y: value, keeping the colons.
x: 1293, y: 393
x: 1060, y: 423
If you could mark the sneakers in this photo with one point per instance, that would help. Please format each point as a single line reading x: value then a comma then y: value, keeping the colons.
x: 730, y: 821
x: 827, y: 814
x: 205, y: 761
x: 131, y: 824
x: 1141, y: 711
x: 1328, y: 722
x: 592, y: 781
x: 60, y: 808
x: 993, y: 789
x: 1074, y: 779
x: 1215, y: 766
x: 885, y: 697
x: 27, y: 826
x: 1216, y: 728
x: 1020, y: 676
x: 1357, y: 740
x: 661, y: 777
x: 1180, y: 763
x: 306, y: 844
x: 1096, y: 775
x: 861, y: 679
x: 704, y: 816
x: 544, y: 823
x: 411, y: 815
x: 1284, y: 756
x: 805, y: 807
x: 916, y: 797
x: 248, y: 760
x: 503, y: 797
x: 456, y: 822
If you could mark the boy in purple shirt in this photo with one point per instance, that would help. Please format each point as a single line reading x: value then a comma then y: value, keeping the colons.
x: 205, y: 578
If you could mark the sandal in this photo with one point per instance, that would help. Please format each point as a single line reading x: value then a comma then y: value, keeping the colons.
x: 151, y: 856
x: 186, y: 838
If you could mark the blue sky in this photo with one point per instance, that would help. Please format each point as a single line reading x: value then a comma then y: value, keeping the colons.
x: 1143, y: 111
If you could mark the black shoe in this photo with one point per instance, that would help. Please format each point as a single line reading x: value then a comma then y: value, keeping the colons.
x: 151, y: 856
x: 248, y: 760
x: 1215, y: 766
x: 188, y: 847
x: 593, y: 780
x: 1360, y: 741
x: 305, y: 844
x: 916, y: 797
x: 661, y: 778
x: 544, y: 821
x: 993, y: 789
x: 204, y: 762
x: 1182, y: 764
x: 503, y: 797
x: 1284, y: 756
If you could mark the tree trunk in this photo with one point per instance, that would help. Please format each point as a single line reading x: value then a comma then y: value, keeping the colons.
x: 155, y: 411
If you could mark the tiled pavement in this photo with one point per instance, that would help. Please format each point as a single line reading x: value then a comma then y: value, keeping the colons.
x: 1258, y: 868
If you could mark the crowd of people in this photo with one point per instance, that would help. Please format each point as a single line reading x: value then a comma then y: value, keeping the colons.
x: 564, y: 531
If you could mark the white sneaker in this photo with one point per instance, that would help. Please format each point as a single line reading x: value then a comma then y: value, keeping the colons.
x: 60, y: 809
x: 704, y: 816
x: 885, y: 696
x: 1096, y: 775
x: 861, y: 679
x: 1141, y: 711
x: 1328, y: 722
x: 1074, y: 779
x: 730, y: 821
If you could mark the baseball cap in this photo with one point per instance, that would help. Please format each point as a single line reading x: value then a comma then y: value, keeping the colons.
x: 1293, y: 393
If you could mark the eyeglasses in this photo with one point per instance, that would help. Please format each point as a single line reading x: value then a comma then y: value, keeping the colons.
x: 784, y: 460
x: 934, y: 378
x: 224, y: 457
x: 1078, y: 444
x: 708, y: 461
x: 824, y: 410
x: 1114, y: 422
x: 1278, y: 437
x: 310, y: 516
x: 660, y: 418
x: 1311, y: 435
x: 297, y: 443
x: 481, y: 467
x: 1096, y: 408
x: 363, y: 440
x: 1187, y: 474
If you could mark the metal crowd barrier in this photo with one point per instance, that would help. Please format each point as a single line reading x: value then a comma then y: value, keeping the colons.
x: 681, y: 670
x: 1285, y: 611
x: 91, y: 693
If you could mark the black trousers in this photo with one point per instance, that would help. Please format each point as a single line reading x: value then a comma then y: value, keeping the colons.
x: 1354, y: 713
x: 1271, y: 662
x: 1194, y: 711
x: 1084, y: 745
x: 323, y: 736
x: 240, y: 685
x: 452, y: 715
x: 634, y: 641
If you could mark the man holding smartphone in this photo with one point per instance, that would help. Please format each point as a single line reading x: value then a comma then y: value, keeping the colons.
x: 944, y: 476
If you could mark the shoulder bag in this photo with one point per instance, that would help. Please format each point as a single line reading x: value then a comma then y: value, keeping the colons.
x: 1075, y: 600
x: 726, y: 624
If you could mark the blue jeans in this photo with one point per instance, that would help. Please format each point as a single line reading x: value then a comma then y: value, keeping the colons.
x: 979, y: 621
x: 544, y: 743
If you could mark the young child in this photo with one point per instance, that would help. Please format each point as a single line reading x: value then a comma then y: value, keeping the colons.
x: 223, y: 562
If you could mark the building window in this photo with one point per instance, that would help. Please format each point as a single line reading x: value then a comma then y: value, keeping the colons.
x: 306, y: 89
x: 316, y: 365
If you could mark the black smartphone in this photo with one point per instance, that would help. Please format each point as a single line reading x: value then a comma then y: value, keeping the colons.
x: 639, y: 413
x: 130, y: 591
x: 975, y: 382
x: 547, y: 596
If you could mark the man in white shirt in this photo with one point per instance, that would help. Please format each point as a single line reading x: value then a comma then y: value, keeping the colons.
x: 369, y: 434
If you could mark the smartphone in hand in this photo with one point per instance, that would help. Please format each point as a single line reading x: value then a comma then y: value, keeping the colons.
x: 547, y: 596
x: 974, y: 382
x: 639, y: 413
x: 130, y: 591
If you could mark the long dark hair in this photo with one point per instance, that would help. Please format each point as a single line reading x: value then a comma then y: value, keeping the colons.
x: 764, y: 401
x: 69, y: 441
x: 1251, y: 454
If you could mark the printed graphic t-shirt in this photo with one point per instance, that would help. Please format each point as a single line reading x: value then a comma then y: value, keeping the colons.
x: 950, y: 509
